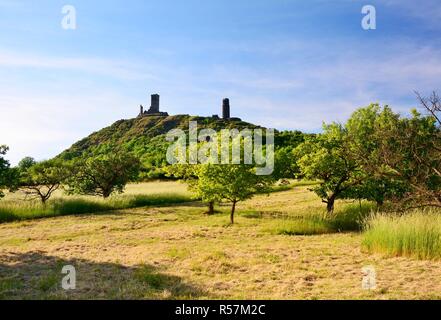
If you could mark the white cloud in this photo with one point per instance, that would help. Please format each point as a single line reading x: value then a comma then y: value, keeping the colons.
x: 114, y: 68
x: 42, y: 123
x: 43, y: 126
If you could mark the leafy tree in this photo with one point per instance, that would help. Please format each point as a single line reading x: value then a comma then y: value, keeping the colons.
x: 290, y: 139
x: 365, y: 131
x: 232, y: 182
x: 191, y: 174
x: 8, y: 176
x: 410, y: 150
x: 378, y: 189
x: 400, y: 157
x: 379, y: 156
x: 285, y: 164
x: 104, y: 174
x: 42, y: 179
x: 4, y: 168
x: 26, y: 163
x: 424, y: 150
x: 327, y: 157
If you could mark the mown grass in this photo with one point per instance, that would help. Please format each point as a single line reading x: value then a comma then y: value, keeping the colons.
x: 291, y: 183
x: 301, y: 226
x: 416, y: 234
x: 177, y: 252
x: 22, y: 210
x: 155, y: 193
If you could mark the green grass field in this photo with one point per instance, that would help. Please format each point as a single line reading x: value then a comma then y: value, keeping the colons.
x: 282, y: 246
x: 16, y: 207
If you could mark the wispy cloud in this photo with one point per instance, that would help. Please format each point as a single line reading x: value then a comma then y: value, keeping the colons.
x: 274, y: 74
x: 119, y: 69
x: 42, y: 125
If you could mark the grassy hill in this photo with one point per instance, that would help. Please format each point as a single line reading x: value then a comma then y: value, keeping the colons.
x: 145, y: 137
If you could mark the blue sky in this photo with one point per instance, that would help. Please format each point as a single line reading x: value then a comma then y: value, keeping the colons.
x: 286, y: 64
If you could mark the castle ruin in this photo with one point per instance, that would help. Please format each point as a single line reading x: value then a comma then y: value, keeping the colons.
x: 225, y: 112
x: 226, y: 108
x: 154, y: 109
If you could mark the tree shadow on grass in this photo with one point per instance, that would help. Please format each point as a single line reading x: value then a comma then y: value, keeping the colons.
x: 34, y: 275
x: 193, y: 204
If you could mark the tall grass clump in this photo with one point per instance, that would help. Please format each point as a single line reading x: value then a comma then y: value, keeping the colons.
x: 416, y: 234
x: 350, y: 217
x: 23, y: 210
x: 304, y: 226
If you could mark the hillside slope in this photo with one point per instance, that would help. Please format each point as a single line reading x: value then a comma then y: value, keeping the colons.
x: 145, y: 136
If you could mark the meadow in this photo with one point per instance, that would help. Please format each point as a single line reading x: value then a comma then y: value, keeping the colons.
x: 282, y: 246
x: 15, y: 206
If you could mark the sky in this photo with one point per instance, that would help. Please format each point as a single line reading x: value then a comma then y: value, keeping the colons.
x: 284, y: 64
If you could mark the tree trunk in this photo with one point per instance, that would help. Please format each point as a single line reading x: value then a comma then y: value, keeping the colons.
x: 330, y: 204
x: 210, y: 208
x: 379, y: 204
x: 43, y: 198
x: 233, y: 208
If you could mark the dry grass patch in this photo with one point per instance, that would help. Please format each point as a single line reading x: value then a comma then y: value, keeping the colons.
x: 177, y: 252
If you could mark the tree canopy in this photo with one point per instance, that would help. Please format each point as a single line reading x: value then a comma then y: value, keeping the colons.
x: 8, y: 175
x: 104, y: 174
x: 42, y: 179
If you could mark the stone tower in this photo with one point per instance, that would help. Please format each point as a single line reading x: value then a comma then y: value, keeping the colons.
x: 226, y: 108
x: 154, y: 108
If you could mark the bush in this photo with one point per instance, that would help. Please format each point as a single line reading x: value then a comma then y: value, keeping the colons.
x: 416, y: 234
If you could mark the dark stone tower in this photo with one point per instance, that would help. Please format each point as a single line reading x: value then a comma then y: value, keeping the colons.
x: 154, y: 108
x: 226, y: 108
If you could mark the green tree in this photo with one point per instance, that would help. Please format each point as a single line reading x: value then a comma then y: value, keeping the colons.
x: 232, y: 182
x: 103, y: 175
x: 285, y: 164
x: 400, y: 157
x: 327, y: 157
x: 289, y: 138
x: 365, y: 130
x: 410, y: 151
x: 8, y: 176
x: 26, y: 163
x: 42, y: 179
x: 190, y: 174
